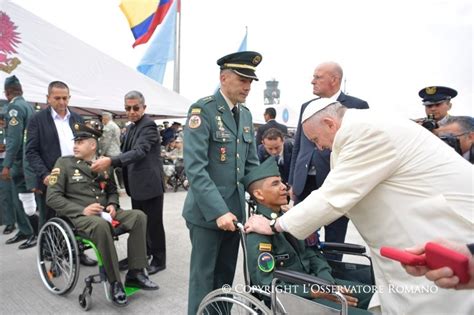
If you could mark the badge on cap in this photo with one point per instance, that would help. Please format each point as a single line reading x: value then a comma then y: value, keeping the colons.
x: 266, y: 262
x: 194, y: 121
x: 256, y: 60
x: 431, y: 90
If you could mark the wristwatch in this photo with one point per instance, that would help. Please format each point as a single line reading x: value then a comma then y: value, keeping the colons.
x: 272, y: 226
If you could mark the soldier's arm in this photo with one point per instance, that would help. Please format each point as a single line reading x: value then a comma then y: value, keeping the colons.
x: 196, y: 139
x: 56, y: 192
x: 252, y: 158
x: 14, y: 137
x: 111, y: 190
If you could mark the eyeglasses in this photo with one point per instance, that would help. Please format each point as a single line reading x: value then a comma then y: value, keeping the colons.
x: 460, y: 135
x: 135, y: 108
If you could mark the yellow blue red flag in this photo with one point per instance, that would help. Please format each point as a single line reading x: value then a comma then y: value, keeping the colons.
x: 144, y: 16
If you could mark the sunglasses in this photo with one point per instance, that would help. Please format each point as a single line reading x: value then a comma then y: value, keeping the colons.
x: 135, y: 108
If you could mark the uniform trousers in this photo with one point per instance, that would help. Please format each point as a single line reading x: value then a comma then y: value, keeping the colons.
x: 213, y: 259
x: 100, y: 233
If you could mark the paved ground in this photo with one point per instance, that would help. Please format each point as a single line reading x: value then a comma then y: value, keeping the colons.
x: 22, y: 292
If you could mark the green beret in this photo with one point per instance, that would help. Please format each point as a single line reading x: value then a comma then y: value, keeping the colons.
x: 12, y: 82
x: 242, y: 63
x: 268, y: 168
x: 81, y: 131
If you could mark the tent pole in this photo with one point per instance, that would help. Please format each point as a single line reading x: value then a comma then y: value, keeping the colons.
x: 177, y: 59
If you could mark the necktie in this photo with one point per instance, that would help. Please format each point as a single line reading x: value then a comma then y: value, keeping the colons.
x: 235, y: 112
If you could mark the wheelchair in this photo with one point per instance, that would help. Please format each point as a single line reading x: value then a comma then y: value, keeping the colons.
x: 59, y: 247
x: 276, y: 301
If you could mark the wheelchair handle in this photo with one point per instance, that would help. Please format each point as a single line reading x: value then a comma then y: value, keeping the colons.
x: 240, y: 227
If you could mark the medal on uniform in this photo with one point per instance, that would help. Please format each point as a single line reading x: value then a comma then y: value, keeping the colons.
x: 223, y: 154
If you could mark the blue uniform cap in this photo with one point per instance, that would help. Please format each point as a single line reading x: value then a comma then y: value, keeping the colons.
x: 436, y: 94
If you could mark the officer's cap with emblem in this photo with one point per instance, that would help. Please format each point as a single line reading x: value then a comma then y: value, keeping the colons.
x: 242, y: 63
x: 81, y: 131
x: 436, y: 94
x: 315, y: 106
x: 12, y: 82
x: 268, y: 168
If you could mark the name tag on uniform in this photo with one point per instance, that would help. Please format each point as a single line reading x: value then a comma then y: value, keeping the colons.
x: 222, y: 134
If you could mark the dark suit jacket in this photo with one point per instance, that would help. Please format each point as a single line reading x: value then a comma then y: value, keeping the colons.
x: 270, y: 124
x: 287, y: 153
x: 42, y: 143
x: 305, y: 153
x: 141, y: 160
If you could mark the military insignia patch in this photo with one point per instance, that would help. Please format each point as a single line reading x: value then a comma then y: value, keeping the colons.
x: 194, y: 121
x: 247, y: 129
x: 431, y: 90
x: 195, y: 111
x: 13, y: 122
x: 256, y: 60
x: 13, y: 113
x: 77, y: 175
x: 53, y: 179
x: 265, y: 247
x: 266, y: 262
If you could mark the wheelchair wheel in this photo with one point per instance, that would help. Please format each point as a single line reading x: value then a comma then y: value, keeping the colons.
x: 231, y: 302
x: 58, y: 257
x: 85, y: 301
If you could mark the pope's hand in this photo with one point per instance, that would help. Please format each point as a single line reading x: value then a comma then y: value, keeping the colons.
x: 258, y: 224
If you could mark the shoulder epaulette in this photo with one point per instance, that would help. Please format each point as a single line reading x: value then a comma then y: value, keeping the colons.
x: 205, y: 100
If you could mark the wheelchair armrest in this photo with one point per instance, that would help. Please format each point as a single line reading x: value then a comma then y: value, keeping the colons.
x: 296, y: 277
x: 343, y: 247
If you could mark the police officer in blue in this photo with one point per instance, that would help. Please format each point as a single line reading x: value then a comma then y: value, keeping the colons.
x: 437, y: 102
x: 219, y: 150
x: 18, y: 115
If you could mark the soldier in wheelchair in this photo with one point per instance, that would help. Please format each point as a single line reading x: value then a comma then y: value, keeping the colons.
x: 90, y: 201
x: 282, y: 250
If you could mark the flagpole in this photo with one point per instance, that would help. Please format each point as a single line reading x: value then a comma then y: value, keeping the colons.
x: 177, y: 59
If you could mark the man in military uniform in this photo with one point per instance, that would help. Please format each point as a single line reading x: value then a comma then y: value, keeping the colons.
x: 219, y: 150
x: 266, y: 252
x: 437, y: 102
x: 18, y: 115
x: 91, y: 201
x: 7, y: 202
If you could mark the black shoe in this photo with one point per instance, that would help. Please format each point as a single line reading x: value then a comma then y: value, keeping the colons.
x: 30, y: 242
x: 138, y: 279
x: 117, y: 292
x: 9, y: 228
x: 17, y: 238
x: 86, y: 261
x: 123, y: 264
x: 155, y: 269
x: 156, y: 265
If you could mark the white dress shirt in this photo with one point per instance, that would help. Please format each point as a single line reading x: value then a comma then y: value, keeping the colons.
x: 64, y: 130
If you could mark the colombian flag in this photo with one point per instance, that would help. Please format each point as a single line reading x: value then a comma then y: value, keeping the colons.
x: 144, y: 16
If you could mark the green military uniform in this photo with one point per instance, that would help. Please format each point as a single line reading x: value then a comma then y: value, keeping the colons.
x: 8, y: 204
x: 17, y: 117
x: 266, y: 252
x: 218, y: 152
x: 73, y: 187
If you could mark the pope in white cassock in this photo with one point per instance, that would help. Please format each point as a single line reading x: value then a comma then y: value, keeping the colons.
x: 400, y: 185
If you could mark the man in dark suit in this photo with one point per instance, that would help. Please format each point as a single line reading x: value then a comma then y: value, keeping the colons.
x: 310, y: 166
x: 269, y: 115
x: 274, y: 145
x: 49, y: 136
x: 142, y: 168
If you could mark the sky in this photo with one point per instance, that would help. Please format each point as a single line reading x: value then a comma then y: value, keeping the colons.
x: 389, y: 50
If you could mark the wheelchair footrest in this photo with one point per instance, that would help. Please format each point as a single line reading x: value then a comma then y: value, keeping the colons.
x: 131, y: 290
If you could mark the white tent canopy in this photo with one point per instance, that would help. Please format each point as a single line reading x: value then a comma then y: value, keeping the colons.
x: 96, y: 80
